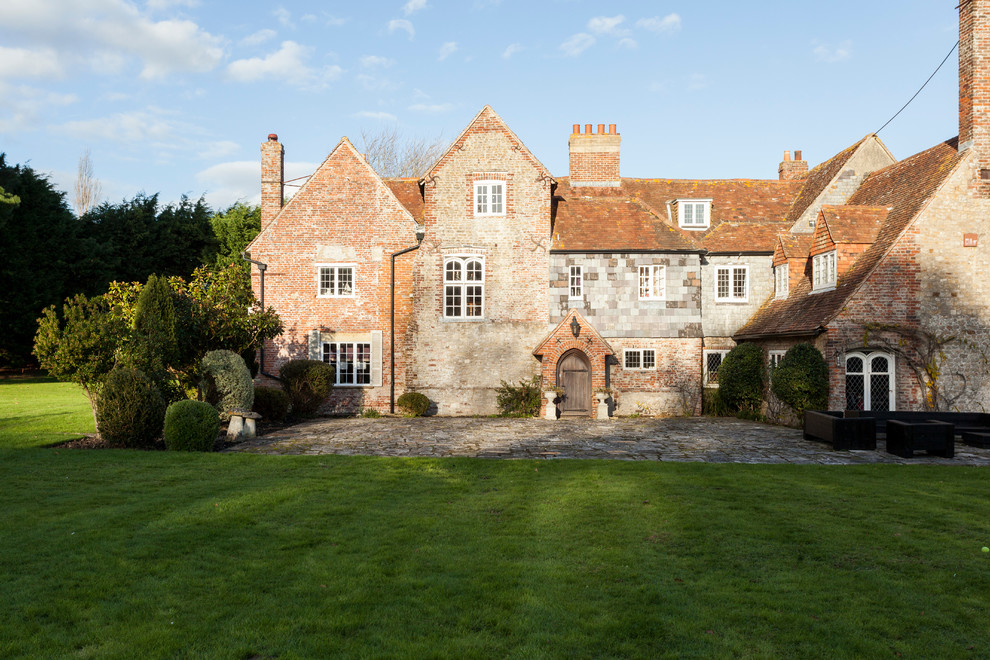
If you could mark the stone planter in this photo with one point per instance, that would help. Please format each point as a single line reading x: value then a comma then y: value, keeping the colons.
x: 601, y: 406
x: 550, y: 412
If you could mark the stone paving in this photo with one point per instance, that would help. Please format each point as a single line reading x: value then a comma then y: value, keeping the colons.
x: 703, y: 439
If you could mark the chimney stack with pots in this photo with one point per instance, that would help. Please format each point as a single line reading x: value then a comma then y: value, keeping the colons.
x: 272, y: 179
x: 594, y: 157
x: 792, y: 169
x: 974, y: 87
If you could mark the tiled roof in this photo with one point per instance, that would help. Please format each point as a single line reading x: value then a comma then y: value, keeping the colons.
x: 818, y: 179
x: 610, y: 223
x: 754, y: 210
x: 904, y: 187
x: 854, y: 224
x: 408, y: 193
x: 795, y: 246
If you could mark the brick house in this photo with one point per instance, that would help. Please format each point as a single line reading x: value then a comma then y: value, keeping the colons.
x: 489, y: 269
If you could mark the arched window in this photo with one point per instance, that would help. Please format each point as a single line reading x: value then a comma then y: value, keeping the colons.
x: 869, y: 381
x: 463, y: 287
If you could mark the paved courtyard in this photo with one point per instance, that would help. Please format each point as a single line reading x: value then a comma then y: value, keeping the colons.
x: 704, y: 439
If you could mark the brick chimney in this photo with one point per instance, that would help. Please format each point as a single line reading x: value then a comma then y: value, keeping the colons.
x: 594, y: 157
x: 792, y: 169
x: 272, y: 173
x: 974, y: 87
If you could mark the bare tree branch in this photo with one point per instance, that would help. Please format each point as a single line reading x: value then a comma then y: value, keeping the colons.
x: 88, y: 188
x: 392, y: 155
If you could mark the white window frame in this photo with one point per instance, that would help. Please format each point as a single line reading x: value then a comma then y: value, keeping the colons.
x: 703, y: 205
x: 781, y: 277
x: 335, y: 269
x: 653, y: 282
x: 640, y: 354
x: 823, y: 274
x: 362, y: 373
x: 484, y: 200
x: 460, y: 287
x: 867, y: 373
x: 705, y: 353
x: 774, y: 357
x: 575, y: 283
x: 732, y: 297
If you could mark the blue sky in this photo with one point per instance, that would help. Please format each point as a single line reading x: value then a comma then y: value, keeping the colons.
x: 175, y: 96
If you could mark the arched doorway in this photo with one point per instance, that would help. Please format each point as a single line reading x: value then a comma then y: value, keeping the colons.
x: 574, y: 376
x: 869, y: 381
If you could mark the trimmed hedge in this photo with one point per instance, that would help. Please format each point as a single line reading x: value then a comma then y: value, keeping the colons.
x: 801, y: 379
x: 191, y: 426
x: 742, y: 378
x: 413, y: 404
x: 131, y: 410
x: 271, y: 403
x: 226, y: 382
x: 308, y: 383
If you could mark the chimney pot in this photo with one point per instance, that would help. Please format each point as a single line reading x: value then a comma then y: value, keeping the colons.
x: 601, y: 129
x: 576, y: 129
x: 272, y: 137
x: 611, y: 129
x: 587, y: 129
x: 797, y: 155
x: 787, y: 156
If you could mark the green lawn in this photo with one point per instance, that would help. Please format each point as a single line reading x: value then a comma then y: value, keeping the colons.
x: 35, y: 412
x: 154, y: 554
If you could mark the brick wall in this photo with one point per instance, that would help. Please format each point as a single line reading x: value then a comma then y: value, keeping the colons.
x: 272, y: 179
x: 343, y: 215
x: 594, y: 157
x: 672, y: 388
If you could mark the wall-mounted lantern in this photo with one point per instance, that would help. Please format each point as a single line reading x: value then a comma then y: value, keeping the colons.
x: 575, y: 327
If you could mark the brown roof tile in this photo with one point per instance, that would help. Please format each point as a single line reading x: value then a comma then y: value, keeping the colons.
x: 854, y: 224
x: 409, y: 195
x: 744, y: 236
x: 904, y: 187
x: 795, y: 246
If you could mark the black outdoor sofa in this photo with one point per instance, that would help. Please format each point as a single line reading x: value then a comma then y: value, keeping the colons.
x: 905, y: 431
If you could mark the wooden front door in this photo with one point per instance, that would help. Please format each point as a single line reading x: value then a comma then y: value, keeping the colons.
x: 574, y: 376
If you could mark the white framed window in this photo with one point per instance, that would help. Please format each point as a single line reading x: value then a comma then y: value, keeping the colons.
x: 652, y: 282
x: 639, y: 358
x: 870, y: 381
x: 713, y: 360
x: 489, y: 198
x: 823, y: 271
x: 351, y: 362
x: 463, y: 287
x: 575, y: 283
x: 694, y: 213
x: 781, y: 280
x: 732, y: 283
x: 775, y: 357
x: 334, y: 281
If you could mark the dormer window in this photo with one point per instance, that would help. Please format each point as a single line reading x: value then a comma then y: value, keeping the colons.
x: 489, y: 198
x: 694, y: 213
x: 781, y: 280
x: 823, y: 272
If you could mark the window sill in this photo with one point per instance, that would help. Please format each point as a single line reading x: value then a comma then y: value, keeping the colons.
x: 454, y: 319
x: 335, y: 297
x: 824, y: 289
x: 728, y: 301
x: 694, y: 227
x: 652, y: 300
x: 349, y: 386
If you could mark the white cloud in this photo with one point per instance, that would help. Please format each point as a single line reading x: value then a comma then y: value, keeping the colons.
x: 288, y: 63
x: 373, y: 61
x: 401, y: 24
x: 666, y: 25
x: 431, y: 108
x: 577, y: 44
x: 626, y: 42
x: 22, y: 107
x: 831, y: 54
x: 284, y: 16
x: 333, y: 21
x: 381, y: 116
x: 449, y: 48
x: 240, y: 180
x: 608, y: 25
x: 413, y: 6
x: 259, y: 37
x: 511, y: 50
x: 23, y: 63
x: 374, y: 83
x: 130, y: 127
x: 167, y: 4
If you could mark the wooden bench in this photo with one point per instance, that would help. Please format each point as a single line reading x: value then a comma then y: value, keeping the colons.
x: 932, y: 436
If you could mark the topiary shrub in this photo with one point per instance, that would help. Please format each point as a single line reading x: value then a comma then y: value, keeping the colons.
x: 741, y: 379
x: 131, y: 410
x: 271, y: 403
x: 226, y: 382
x: 308, y: 384
x: 521, y: 400
x: 413, y: 404
x: 801, y: 379
x: 191, y: 426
